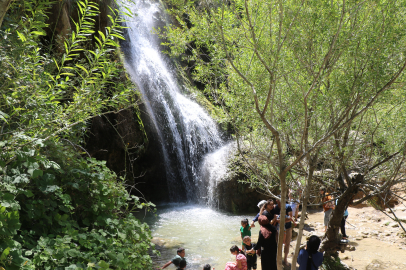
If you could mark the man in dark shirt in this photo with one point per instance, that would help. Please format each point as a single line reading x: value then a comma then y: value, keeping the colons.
x: 250, y: 253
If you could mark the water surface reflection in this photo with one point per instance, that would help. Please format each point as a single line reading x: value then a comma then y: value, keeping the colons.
x: 205, y: 233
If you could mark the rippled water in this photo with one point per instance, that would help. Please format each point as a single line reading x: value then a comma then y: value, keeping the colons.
x: 206, y: 234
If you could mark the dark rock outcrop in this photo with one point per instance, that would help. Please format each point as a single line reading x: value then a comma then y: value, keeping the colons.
x: 237, y: 197
x: 121, y: 141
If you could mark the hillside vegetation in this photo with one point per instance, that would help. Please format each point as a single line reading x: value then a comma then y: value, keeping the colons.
x: 59, y: 208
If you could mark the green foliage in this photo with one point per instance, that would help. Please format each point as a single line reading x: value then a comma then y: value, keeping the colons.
x: 71, y: 215
x: 296, y: 77
x: 331, y: 263
x: 311, y: 88
x: 44, y: 97
x: 59, y: 210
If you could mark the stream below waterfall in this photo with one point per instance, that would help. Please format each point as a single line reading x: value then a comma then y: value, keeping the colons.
x: 205, y: 233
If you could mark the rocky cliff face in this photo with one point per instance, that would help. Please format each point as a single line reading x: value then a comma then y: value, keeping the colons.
x: 120, y: 140
x: 130, y: 149
x: 237, y: 197
x: 227, y: 189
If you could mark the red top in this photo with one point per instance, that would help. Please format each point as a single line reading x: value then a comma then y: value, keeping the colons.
x: 326, y: 205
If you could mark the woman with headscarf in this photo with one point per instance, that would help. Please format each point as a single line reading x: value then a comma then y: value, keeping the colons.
x: 267, y: 241
x: 268, y: 211
x: 309, y: 258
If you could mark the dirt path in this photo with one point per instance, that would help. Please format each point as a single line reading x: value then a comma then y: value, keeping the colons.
x: 376, y: 241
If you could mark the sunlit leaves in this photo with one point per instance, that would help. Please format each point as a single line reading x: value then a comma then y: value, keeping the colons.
x: 56, y: 200
x: 311, y: 65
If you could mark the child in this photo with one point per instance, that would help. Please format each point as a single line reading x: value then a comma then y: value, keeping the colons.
x: 241, y: 260
x: 309, y: 258
x: 250, y: 252
x: 182, y: 265
x: 245, y: 231
x: 207, y: 267
x: 177, y: 259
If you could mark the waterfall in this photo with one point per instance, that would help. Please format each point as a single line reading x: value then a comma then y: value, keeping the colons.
x: 186, y: 132
x: 214, y: 169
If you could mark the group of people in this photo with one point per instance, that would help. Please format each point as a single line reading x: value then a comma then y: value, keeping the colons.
x: 266, y: 247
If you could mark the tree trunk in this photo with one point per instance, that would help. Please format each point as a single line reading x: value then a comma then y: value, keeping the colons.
x: 303, y: 214
x: 331, y: 243
x: 282, y: 179
x: 59, y: 25
x: 4, y: 6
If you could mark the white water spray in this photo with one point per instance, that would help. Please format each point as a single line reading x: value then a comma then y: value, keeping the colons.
x: 185, y: 130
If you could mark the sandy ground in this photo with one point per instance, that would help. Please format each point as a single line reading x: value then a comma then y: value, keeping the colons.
x: 375, y: 241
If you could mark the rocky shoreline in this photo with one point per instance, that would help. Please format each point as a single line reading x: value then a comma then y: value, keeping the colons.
x: 375, y: 241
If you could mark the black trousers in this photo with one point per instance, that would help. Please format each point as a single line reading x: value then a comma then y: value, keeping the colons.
x: 268, y: 259
x: 343, y: 226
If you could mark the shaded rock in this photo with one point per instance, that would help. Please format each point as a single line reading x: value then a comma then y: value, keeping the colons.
x: 235, y: 197
x: 350, y: 248
x: 226, y: 187
x: 119, y: 139
x: 166, y: 243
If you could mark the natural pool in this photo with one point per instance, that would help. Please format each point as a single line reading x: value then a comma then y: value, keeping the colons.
x: 205, y: 233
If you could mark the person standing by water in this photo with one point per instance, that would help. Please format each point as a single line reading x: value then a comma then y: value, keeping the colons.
x: 294, y: 201
x: 309, y: 258
x: 343, y: 220
x: 245, y: 230
x: 267, y: 241
x: 250, y: 253
x: 260, y: 204
x: 328, y: 206
x: 269, y: 211
x: 288, y: 227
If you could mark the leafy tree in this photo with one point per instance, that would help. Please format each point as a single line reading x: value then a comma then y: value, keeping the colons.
x: 292, y: 76
x: 58, y: 208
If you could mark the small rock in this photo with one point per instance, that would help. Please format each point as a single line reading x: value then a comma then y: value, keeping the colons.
x: 351, y: 248
x: 394, y: 225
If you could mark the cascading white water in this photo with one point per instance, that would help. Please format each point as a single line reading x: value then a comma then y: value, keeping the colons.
x: 214, y: 169
x: 185, y: 130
